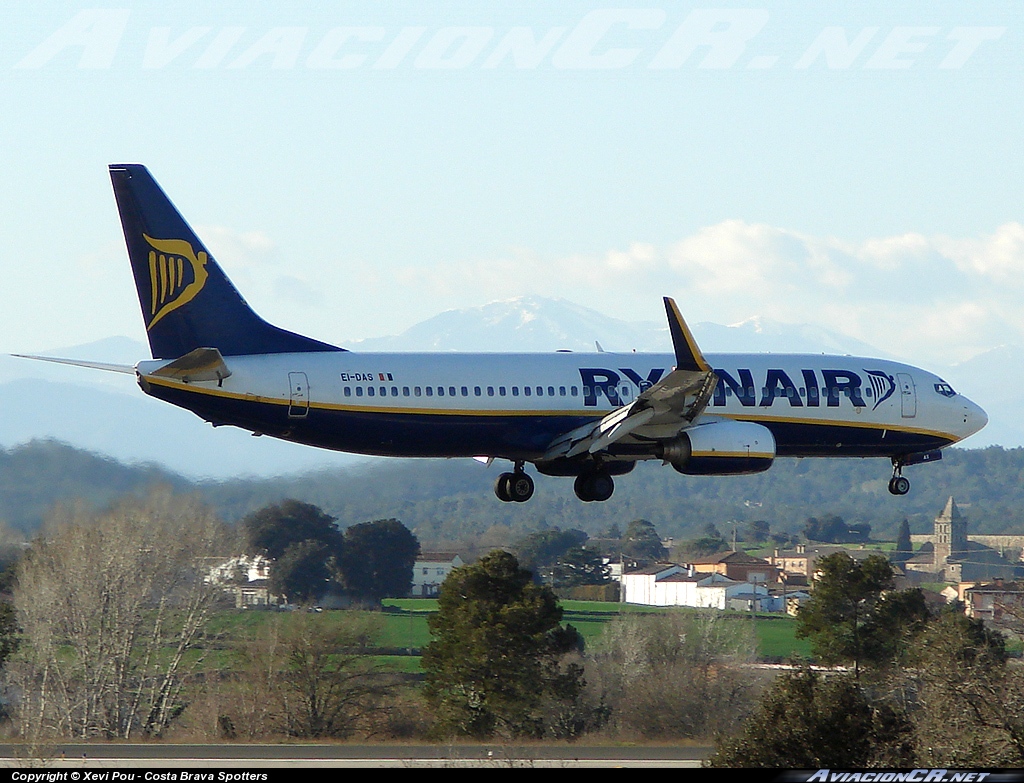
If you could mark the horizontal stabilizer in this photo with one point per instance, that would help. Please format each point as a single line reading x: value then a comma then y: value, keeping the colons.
x: 123, y: 368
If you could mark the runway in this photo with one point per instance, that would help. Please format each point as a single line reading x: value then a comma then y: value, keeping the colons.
x: 236, y: 757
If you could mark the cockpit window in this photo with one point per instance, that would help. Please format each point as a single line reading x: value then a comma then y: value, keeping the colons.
x: 945, y: 390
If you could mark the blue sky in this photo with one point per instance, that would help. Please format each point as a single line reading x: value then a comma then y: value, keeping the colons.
x: 359, y: 167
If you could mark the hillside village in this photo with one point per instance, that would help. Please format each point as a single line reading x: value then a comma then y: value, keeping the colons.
x: 984, y: 574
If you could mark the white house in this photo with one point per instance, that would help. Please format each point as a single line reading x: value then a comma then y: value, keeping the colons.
x: 672, y: 585
x: 245, y: 577
x: 430, y: 570
x: 243, y: 568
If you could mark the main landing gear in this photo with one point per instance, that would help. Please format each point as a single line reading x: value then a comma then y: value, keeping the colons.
x: 595, y: 485
x: 898, y: 484
x: 515, y: 487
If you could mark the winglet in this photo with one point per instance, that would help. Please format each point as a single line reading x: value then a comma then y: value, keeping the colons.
x: 688, y: 355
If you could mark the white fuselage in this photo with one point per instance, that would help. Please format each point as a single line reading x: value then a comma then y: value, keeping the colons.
x: 513, y: 405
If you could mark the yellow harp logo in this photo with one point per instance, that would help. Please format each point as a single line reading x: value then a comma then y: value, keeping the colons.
x: 176, y: 275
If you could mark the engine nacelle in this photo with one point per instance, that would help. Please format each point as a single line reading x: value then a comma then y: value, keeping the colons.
x: 721, y: 448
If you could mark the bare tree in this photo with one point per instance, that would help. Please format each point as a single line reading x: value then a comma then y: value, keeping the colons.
x: 328, y: 682
x: 674, y: 675
x: 967, y: 699
x: 303, y: 675
x: 112, y: 606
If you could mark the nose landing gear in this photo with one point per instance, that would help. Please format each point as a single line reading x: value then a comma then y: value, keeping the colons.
x: 898, y: 484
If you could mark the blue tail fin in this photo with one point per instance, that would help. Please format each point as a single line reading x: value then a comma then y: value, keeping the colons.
x: 187, y: 300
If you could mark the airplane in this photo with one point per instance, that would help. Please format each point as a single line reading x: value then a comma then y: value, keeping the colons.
x: 590, y: 417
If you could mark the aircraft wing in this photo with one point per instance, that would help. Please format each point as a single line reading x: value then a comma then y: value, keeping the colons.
x: 671, y: 404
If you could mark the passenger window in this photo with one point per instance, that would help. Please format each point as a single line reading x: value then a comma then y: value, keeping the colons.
x: 501, y: 391
x: 405, y: 391
x: 429, y: 390
x: 370, y: 391
x: 515, y: 391
x: 440, y: 391
x: 527, y: 391
x: 394, y: 391
x: 561, y: 391
x: 451, y: 391
x: 417, y: 391
x: 359, y: 391
x: 465, y: 392
x: 476, y: 391
x: 551, y: 391
x: 490, y: 391
x: 383, y: 391
x: 348, y: 391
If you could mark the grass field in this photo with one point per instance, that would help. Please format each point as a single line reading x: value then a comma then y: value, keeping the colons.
x: 403, y: 627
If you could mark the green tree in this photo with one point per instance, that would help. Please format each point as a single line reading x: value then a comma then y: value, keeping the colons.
x: 807, y: 721
x: 302, y: 572
x: 274, y: 528
x: 378, y: 558
x: 699, y: 547
x: 903, y: 544
x: 854, y: 616
x: 833, y: 529
x: 496, y: 665
x: 641, y: 541
x: 539, y: 551
x: 9, y: 631
x: 580, y: 566
x: 758, y: 530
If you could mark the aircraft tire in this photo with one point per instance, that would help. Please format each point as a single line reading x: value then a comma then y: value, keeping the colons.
x: 899, y: 485
x: 520, y: 487
x: 502, y: 487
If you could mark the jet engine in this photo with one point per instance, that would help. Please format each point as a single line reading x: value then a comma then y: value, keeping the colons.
x: 721, y: 448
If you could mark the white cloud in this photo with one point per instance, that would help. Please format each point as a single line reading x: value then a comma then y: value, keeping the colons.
x: 238, y: 250
x: 930, y: 299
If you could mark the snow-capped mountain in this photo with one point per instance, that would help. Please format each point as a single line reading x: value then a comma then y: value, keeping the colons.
x: 535, y: 323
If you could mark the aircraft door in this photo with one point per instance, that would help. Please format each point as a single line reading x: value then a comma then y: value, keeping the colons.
x: 908, y: 395
x: 298, y: 395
